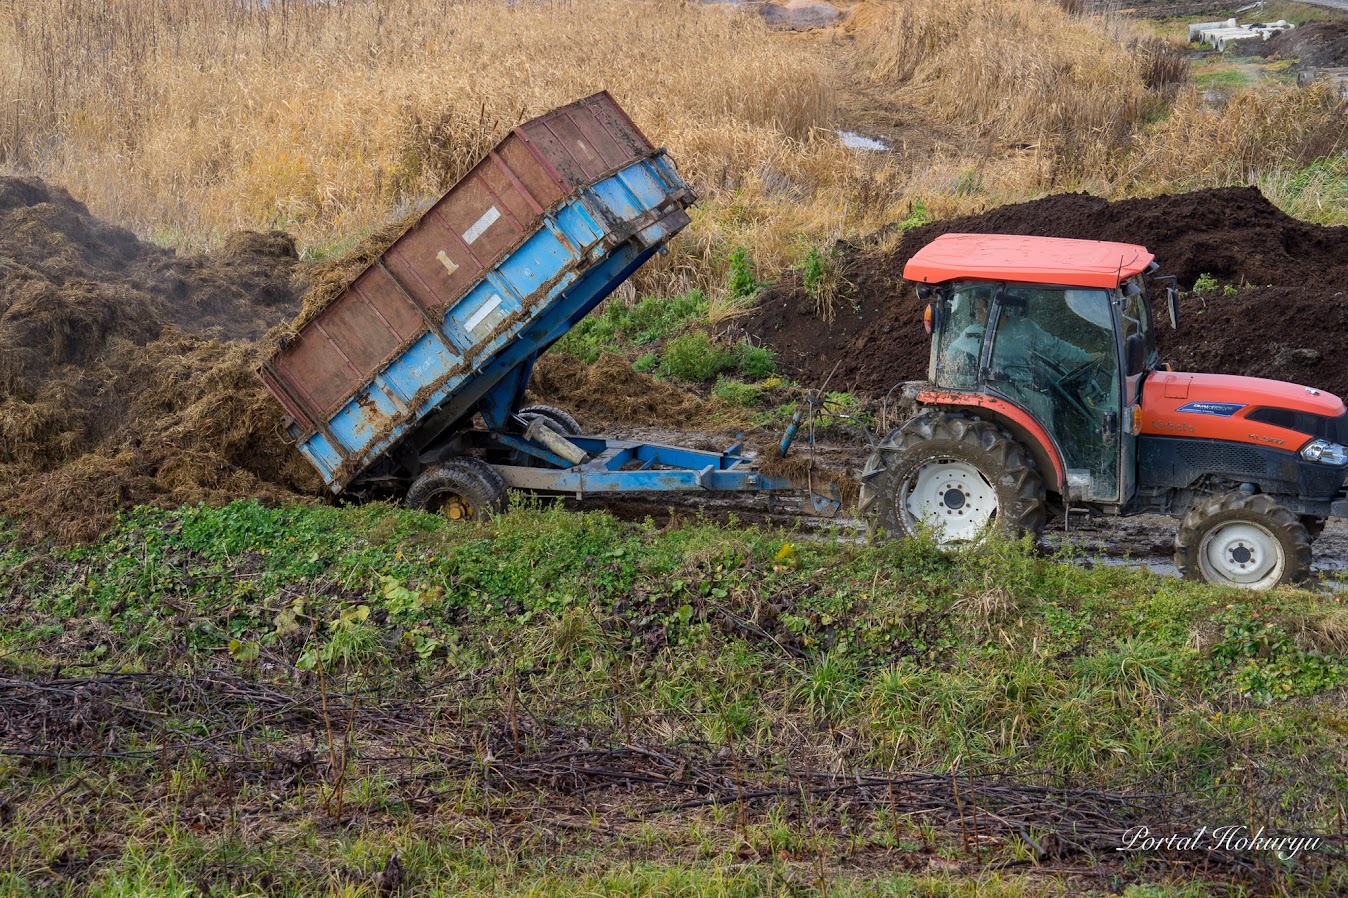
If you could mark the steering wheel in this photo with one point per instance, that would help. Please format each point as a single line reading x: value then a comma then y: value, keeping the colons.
x: 1067, y: 384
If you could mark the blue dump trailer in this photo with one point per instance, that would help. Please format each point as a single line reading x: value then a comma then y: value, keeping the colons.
x: 383, y: 386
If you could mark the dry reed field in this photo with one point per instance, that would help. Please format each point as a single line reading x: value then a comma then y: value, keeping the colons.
x: 189, y: 119
x: 1065, y: 100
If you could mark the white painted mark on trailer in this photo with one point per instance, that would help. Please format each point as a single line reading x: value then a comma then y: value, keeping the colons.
x: 486, y: 309
x: 446, y: 261
x: 487, y: 220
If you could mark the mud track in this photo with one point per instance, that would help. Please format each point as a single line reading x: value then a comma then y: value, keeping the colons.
x: 1144, y: 542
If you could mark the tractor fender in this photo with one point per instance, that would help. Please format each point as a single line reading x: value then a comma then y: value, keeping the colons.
x: 1015, y: 419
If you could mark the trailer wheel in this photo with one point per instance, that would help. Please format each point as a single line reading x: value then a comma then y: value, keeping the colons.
x: 561, y: 422
x: 462, y: 489
x: 1244, y: 540
x: 556, y: 419
x: 957, y: 476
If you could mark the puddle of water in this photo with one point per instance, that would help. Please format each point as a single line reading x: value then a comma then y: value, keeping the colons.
x: 855, y: 141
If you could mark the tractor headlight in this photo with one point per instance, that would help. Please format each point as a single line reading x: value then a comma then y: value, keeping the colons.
x: 1325, y: 452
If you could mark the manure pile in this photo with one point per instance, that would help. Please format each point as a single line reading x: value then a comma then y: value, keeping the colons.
x: 1287, y: 319
x: 126, y: 371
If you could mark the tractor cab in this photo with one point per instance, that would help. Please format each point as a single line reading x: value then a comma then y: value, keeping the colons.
x: 1056, y: 333
x: 1045, y: 396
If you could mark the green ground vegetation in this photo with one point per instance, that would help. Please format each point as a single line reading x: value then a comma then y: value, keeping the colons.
x: 670, y: 336
x: 276, y: 700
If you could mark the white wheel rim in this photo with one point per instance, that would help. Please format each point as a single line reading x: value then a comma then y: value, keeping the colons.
x: 950, y: 497
x: 1242, y: 554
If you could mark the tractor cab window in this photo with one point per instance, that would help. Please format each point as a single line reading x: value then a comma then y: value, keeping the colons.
x: 1054, y: 354
x: 964, y: 321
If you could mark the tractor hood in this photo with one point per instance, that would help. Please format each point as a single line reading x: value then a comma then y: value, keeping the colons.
x: 1241, y: 409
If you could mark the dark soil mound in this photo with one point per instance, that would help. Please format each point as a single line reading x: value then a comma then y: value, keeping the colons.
x: 126, y: 371
x: 1285, y: 319
x: 1313, y: 44
x: 1159, y: 9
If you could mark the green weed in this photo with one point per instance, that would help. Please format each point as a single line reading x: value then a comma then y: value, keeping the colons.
x: 756, y: 362
x: 737, y: 392
x: 695, y: 358
x: 742, y: 282
x: 619, y: 326
x: 1205, y: 284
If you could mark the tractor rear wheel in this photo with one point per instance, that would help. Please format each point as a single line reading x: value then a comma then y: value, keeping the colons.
x: 462, y: 489
x: 1244, y: 540
x: 959, y: 477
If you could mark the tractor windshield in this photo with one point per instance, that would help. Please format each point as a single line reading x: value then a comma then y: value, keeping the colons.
x: 959, y: 342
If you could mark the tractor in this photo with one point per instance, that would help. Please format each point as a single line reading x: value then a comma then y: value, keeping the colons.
x: 1045, y: 397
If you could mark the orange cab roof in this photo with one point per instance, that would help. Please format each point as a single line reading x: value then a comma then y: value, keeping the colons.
x: 1033, y: 260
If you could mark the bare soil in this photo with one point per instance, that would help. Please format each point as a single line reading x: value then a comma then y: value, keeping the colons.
x: 1312, y: 44
x: 1285, y: 316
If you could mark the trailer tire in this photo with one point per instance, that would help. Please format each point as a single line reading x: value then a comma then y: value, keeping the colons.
x: 952, y: 464
x: 463, y: 488
x: 1245, y: 540
x: 561, y: 422
x: 555, y: 419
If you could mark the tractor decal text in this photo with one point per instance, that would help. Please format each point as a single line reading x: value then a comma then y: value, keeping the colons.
x: 1263, y: 439
x: 1174, y: 425
x: 1221, y: 409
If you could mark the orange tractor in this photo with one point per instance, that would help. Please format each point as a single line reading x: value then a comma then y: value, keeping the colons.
x: 1046, y: 397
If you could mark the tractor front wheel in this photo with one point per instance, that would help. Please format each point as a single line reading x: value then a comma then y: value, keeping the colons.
x: 1244, y: 540
x: 462, y: 489
x: 955, y: 476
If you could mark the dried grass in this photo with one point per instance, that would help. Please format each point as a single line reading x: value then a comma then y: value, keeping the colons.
x: 189, y: 119
x: 989, y: 606
x: 1253, y: 135
x: 1022, y: 71
x: 193, y: 118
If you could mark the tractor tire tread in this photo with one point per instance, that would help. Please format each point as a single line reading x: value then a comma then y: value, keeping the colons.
x: 1260, y: 508
x: 1021, y: 495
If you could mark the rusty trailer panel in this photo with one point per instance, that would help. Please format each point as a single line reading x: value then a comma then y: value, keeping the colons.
x: 562, y: 210
x: 476, y: 224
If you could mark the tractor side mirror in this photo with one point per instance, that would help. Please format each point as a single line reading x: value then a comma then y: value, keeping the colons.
x: 1172, y: 304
